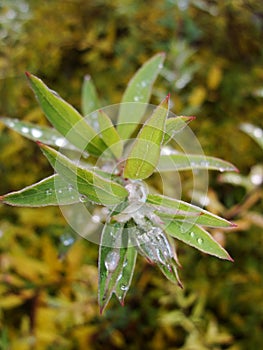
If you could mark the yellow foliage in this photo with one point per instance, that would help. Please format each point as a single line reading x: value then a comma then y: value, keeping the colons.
x: 214, y: 77
x: 197, y: 96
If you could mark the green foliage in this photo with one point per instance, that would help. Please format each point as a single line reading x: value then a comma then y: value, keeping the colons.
x: 131, y: 223
x: 214, y: 71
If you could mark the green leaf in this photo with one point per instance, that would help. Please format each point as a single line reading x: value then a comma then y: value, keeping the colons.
x: 170, y: 271
x: 126, y: 274
x: 254, y: 132
x: 66, y: 119
x: 196, y: 237
x: 44, y: 134
x: 175, y: 125
x: 110, y: 135
x: 97, y: 188
x: 51, y: 191
x: 89, y: 99
x: 144, y: 155
x: 138, y: 91
x: 111, y: 260
x: 180, y: 161
x: 166, y: 206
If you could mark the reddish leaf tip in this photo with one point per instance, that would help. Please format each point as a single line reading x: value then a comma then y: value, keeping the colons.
x: 39, y: 143
x: 192, y: 117
x: 28, y: 74
x: 229, y: 258
x: 2, y: 198
x: 232, y: 224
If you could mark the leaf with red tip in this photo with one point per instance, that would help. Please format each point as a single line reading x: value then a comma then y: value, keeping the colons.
x: 66, y: 119
x: 175, y: 125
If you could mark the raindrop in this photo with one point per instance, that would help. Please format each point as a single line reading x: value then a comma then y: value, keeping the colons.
x: 96, y: 219
x: 258, y: 133
x: 143, y: 83
x: 200, y: 240
x: 36, y: 133
x: 111, y: 261
x: 67, y: 240
x: 136, y: 98
x: 60, y: 191
x: 49, y: 192
x: 192, y: 234
x: 70, y: 188
x: 124, y: 287
x: 125, y: 263
x: 160, y: 66
x: 10, y: 124
x: 60, y: 142
x: 24, y: 129
x: 82, y: 198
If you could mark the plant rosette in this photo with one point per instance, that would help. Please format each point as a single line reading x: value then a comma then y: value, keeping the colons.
x: 103, y: 163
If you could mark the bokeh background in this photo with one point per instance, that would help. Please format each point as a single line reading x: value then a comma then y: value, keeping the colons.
x: 213, y: 70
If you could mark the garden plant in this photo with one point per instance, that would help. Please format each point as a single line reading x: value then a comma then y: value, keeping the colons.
x: 103, y: 163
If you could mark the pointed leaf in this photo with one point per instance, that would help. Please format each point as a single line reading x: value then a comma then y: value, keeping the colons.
x: 53, y: 190
x: 111, y: 260
x: 126, y: 274
x: 166, y: 206
x: 44, y: 134
x: 97, y: 189
x: 109, y: 134
x: 144, y: 155
x: 138, y: 91
x: 89, y: 99
x: 175, y: 125
x: 254, y: 132
x: 180, y: 161
x: 66, y: 119
x: 196, y: 237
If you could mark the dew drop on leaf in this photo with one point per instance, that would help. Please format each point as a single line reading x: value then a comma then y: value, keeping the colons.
x: 24, y: 129
x: 111, y: 261
x: 192, y: 234
x: 82, y: 198
x: 49, y: 192
x: 200, y: 240
x: 36, y: 133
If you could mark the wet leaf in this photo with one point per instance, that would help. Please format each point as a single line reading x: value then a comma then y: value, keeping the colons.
x: 66, y: 119
x: 175, y: 125
x: 170, y: 207
x: 175, y: 162
x: 44, y: 134
x: 87, y: 182
x: 89, y: 99
x: 126, y: 274
x: 53, y: 190
x: 138, y: 91
x: 145, y: 152
x: 109, y: 134
x: 196, y: 237
x: 111, y: 260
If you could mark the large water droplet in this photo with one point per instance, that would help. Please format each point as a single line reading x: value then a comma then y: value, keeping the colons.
x: 112, y: 260
x: 36, y: 133
x: 67, y: 240
x: 192, y: 234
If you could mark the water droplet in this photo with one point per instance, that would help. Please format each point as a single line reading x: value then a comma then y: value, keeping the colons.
x: 119, y: 277
x: 200, y: 240
x: 96, y: 219
x: 82, y: 198
x: 125, y: 263
x: 49, y: 192
x: 36, y: 133
x: 124, y: 287
x: 160, y: 66
x: 136, y: 98
x: 192, y: 234
x: 60, y: 191
x: 137, y: 191
x: 67, y: 240
x: 144, y: 83
x: 10, y: 124
x: 112, y: 260
x: 70, y: 188
x: 24, y: 129
x: 258, y: 133
x: 60, y: 142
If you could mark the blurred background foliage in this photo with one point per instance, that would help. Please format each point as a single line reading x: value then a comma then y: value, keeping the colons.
x: 213, y: 70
